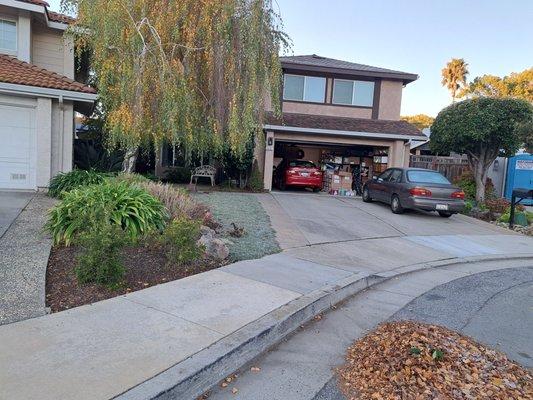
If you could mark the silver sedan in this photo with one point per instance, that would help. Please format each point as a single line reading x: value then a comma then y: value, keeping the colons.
x: 415, y: 188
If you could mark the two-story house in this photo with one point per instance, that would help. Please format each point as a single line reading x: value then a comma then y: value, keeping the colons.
x: 338, y: 111
x: 38, y: 94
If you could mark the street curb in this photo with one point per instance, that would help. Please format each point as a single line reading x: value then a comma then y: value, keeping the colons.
x: 200, y: 372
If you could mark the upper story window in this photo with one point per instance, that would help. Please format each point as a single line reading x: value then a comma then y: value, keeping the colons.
x: 353, y: 93
x: 8, y: 35
x: 304, y: 88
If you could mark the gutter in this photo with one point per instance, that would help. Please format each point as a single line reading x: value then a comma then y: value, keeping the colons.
x: 34, y: 91
x: 374, y: 135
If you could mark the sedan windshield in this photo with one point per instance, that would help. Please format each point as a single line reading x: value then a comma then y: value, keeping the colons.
x: 301, y: 163
x: 427, y: 177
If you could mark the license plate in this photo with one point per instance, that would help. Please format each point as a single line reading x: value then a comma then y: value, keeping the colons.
x: 304, y: 173
x: 441, y: 207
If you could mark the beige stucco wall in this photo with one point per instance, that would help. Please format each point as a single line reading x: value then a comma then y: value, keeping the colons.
x: 331, y: 110
x: 390, y: 100
x: 48, y: 50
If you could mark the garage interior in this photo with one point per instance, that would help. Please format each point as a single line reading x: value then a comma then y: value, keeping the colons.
x: 345, y: 167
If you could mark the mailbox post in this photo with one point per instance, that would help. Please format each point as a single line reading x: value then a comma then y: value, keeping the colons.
x: 518, y: 195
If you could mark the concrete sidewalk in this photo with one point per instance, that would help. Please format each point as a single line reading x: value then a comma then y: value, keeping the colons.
x: 176, y: 331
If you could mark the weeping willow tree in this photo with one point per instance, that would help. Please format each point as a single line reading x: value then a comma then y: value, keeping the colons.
x: 191, y: 72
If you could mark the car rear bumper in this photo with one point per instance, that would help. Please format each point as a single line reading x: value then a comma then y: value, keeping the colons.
x: 421, y: 203
x: 304, y: 181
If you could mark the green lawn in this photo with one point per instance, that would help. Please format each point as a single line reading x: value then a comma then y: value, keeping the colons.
x: 245, y: 211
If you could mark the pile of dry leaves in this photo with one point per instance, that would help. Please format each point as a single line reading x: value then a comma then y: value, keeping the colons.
x: 410, y: 360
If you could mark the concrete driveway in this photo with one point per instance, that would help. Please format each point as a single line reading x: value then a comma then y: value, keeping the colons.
x: 11, y: 204
x: 349, y: 234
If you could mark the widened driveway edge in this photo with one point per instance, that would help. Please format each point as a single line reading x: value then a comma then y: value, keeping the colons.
x: 200, y: 372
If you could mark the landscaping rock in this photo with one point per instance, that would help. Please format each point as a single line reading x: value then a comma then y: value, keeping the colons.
x: 207, y: 231
x: 214, y: 248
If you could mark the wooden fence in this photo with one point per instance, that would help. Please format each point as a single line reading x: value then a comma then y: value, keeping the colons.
x: 450, y: 167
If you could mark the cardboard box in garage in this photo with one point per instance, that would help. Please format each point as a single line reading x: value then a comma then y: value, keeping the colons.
x: 346, y: 180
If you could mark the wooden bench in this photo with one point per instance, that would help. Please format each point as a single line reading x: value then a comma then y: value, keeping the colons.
x: 204, y: 171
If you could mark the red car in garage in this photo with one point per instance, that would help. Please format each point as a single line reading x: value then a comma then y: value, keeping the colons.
x: 301, y: 173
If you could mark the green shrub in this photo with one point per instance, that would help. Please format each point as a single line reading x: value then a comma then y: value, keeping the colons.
x: 130, y: 207
x: 66, y: 182
x: 256, y: 178
x: 520, y: 218
x: 469, y: 205
x: 101, y: 242
x: 468, y: 184
x: 178, y: 175
x: 179, y: 238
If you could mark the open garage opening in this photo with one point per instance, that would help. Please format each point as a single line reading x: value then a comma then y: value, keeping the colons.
x: 340, y: 169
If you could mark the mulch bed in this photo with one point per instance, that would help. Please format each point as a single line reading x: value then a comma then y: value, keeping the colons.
x: 145, y: 267
x: 403, y: 360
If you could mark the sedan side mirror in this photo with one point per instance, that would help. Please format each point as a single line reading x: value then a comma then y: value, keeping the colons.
x: 374, y: 178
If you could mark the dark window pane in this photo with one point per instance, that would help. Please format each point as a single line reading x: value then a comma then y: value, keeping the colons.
x: 342, y: 92
x: 293, y: 89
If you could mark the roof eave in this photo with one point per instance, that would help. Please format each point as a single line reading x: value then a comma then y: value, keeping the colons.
x: 335, y: 132
x: 37, y: 91
x: 405, y: 77
x: 36, y: 9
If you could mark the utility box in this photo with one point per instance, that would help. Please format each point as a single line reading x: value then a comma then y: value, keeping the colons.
x: 519, y: 175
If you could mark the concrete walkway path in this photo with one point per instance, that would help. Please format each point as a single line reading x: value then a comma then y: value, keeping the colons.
x: 302, y: 366
x: 24, y: 251
x: 176, y: 339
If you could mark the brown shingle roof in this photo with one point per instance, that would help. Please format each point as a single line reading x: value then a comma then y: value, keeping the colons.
x: 57, y: 17
x: 52, y: 16
x: 19, y: 72
x: 316, y: 62
x: 344, y: 124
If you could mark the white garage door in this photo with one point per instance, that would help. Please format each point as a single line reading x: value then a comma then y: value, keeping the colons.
x: 17, y: 147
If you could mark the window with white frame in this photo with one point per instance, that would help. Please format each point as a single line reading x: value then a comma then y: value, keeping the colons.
x: 304, y: 88
x: 8, y: 35
x: 353, y: 93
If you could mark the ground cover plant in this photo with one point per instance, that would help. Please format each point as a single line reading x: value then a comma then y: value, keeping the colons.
x: 411, y: 360
x: 257, y: 238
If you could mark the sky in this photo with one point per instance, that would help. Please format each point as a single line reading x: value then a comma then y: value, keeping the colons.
x: 418, y: 36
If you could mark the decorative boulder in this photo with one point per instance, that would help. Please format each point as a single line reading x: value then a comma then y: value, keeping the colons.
x: 214, y: 248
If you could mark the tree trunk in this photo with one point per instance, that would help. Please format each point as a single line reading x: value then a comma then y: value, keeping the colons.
x: 480, y: 177
x: 130, y: 159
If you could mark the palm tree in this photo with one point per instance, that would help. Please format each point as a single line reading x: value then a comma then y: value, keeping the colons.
x: 454, y: 76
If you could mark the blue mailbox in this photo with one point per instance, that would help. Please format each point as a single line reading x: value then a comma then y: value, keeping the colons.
x: 519, y: 175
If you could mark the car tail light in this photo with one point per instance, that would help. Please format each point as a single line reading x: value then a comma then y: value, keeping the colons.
x: 419, y: 191
x: 458, y: 195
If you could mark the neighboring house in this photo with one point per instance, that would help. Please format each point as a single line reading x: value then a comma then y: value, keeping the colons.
x: 421, y: 147
x: 333, y: 109
x: 38, y: 94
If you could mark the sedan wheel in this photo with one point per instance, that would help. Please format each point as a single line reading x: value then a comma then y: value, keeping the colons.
x: 445, y: 214
x: 366, y: 195
x: 395, y: 205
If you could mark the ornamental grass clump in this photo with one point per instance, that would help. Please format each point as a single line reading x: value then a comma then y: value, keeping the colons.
x: 65, y: 182
x: 129, y: 207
